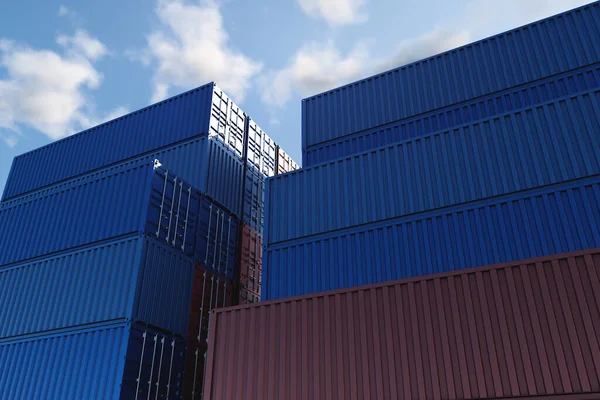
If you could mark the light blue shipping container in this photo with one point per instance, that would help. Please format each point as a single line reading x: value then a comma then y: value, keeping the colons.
x: 551, y: 46
x: 137, y: 278
x: 553, y: 142
x: 527, y: 95
x: 118, y: 361
x: 202, y: 111
x: 551, y: 220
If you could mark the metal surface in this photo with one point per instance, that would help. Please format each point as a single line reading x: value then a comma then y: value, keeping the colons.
x: 98, y: 207
x: 254, y: 198
x: 261, y: 151
x: 107, y: 362
x: 285, y: 162
x: 209, y: 292
x: 217, y: 239
x: 527, y: 95
x: 251, y: 260
x: 529, y: 328
x: 541, y: 49
x: 87, y: 364
x: 555, y: 219
x: 549, y: 143
x: 135, y: 279
x: 159, y: 125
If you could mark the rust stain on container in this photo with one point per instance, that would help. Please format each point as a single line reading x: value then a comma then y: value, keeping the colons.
x: 529, y: 328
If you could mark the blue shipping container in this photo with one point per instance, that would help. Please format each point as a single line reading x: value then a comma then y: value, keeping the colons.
x: 261, y: 150
x: 202, y: 111
x: 98, y: 207
x: 549, y: 143
x: 541, y: 49
x: 112, y: 362
x: 254, y: 198
x: 539, y: 222
x: 554, y: 87
x: 217, y: 239
x: 137, y: 278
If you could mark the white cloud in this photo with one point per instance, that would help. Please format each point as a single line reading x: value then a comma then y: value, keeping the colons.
x: 192, y: 48
x: 429, y: 44
x: 63, y: 11
x: 46, y: 90
x: 316, y: 67
x: 335, y: 12
x: 83, y: 43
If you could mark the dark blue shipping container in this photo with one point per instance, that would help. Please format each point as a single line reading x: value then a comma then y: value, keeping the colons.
x: 130, y: 199
x: 555, y: 219
x: 554, y: 87
x: 135, y: 279
x: 217, y: 239
x: 538, y: 50
x: 202, y: 111
x: 254, y: 198
x: 118, y: 361
x: 98, y: 207
x: 549, y: 143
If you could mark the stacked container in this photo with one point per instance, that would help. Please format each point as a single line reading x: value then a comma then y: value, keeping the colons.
x: 118, y: 242
x: 484, y: 154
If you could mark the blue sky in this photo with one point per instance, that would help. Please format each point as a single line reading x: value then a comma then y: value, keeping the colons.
x: 66, y: 65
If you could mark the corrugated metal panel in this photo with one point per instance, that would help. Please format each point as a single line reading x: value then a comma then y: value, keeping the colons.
x: 217, y: 239
x: 261, y: 150
x: 250, y: 265
x: 225, y: 177
x: 80, y: 365
x: 163, y: 293
x: 555, y: 219
x: 162, y: 124
x: 155, y: 362
x: 137, y: 278
x: 556, y: 44
x: 209, y: 292
x: 528, y: 328
x: 254, y: 198
x: 554, y: 87
x: 285, y: 162
x: 97, y: 208
x: 109, y: 362
x: 554, y: 142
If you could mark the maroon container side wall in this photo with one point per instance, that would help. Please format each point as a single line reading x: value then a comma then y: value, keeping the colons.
x: 250, y: 265
x: 529, y: 328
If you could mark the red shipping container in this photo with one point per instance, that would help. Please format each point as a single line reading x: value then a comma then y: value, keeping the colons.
x: 529, y: 328
x: 285, y: 162
x: 250, y: 265
x: 209, y: 292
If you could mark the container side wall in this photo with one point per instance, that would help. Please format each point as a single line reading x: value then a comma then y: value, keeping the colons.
x: 550, y: 143
x: 78, y: 288
x: 561, y: 43
x: 557, y: 219
x: 81, y: 365
x: 572, y: 82
x: 512, y: 331
x: 159, y: 125
x: 96, y: 210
